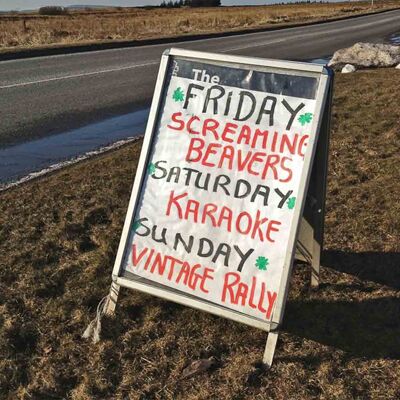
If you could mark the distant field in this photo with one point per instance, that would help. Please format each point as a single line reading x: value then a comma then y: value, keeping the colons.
x: 59, y: 236
x: 83, y: 26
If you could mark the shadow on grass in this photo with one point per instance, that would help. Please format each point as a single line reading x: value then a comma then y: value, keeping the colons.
x: 365, y: 327
x: 383, y: 268
x: 369, y: 328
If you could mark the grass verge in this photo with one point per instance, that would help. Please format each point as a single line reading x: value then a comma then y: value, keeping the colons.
x: 19, y: 31
x: 59, y: 235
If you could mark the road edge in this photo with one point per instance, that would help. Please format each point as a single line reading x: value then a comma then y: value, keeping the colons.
x: 50, y: 50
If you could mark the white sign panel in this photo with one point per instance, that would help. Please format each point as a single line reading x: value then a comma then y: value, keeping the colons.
x: 222, y: 188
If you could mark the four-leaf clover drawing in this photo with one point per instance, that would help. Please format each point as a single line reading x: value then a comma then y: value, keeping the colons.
x: 261, y: 263
x: 178, y: 94
x: 291, y: 202
x: 305, y: 118
x: 151, y: 169
x: 136, y: 225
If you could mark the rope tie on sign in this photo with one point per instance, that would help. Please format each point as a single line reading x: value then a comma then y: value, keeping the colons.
x: 94, y: 328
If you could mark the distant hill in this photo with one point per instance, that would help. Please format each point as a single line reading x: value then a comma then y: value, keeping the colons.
x: 78, y: 6
x: 83, y: 6
x: 72, y: 7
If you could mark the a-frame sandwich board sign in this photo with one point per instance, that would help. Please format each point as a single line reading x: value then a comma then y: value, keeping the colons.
x: 221, y: 185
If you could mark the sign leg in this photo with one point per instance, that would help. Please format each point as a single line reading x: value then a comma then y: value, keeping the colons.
x: 112, y: 301
x: 321, y: 174
x: 315, y: 265
x: 270, y: 348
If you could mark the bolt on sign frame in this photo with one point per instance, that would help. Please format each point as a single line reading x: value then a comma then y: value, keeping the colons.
x: 306, y: 231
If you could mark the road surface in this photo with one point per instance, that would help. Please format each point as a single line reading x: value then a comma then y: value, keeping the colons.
x: 48, y: 95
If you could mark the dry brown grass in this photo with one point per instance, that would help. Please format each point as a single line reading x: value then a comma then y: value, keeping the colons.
x: 113, y: 24
x: 59, y: 235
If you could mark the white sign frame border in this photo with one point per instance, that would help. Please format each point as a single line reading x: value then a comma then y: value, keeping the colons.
x: 182, y: 298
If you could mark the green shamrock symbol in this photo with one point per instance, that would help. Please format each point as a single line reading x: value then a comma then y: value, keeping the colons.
x: 136, y: 225
x: 291, y: 202
x: 261, y: 263
x: 178, y: 94
x: 305, y: 118
x: 151, y: 169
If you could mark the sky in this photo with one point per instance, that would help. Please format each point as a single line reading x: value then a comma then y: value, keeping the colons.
x: 33, y: 4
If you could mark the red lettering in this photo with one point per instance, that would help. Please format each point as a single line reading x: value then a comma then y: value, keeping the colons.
x: 228, y: 153
x: 192, y: 207
x: 256, y: 227
x: 174, y: 118
x: 173, y: 200
x: 262, y: 294
x: 241, y: 294
x: 207, y: 274
x: 146, y: 265
x: 243, y: 162
x: 271, y: 228
x: 172, y: 267
x: 228, y: 286
x: 210, y: 125
x: 226, y: 214
x: 194, y: 277
x: 184, y: 272
x: 303, y: 143
x: 135, y: 258
x: 253, y: 288
x: 159, y: 263
x: 230, y: 128
x: 264, y: 135
x: 209, y: 211
x: 196, y: 146
x: 270, y: 163
x: 211, y: 149
x: 239, y: 220
x: 274, y: 141
x: 189, y: 125
x: 288, y: 143
x: 287, y: 169
x: 257, y: 157
x: 244, y: 135
x: 271, y: 301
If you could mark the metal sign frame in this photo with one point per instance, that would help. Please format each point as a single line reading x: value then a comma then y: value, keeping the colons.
x: 311, y: 233
x: 147, y: 286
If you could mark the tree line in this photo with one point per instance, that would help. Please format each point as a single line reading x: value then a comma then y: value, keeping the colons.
x: 190, y: 3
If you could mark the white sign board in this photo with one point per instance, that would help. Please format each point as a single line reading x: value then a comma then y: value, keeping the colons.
x: 221, y: 182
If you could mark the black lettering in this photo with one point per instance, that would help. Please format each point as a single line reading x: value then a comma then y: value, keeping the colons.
x: 243, y: 257
x: 142, y: 229
x: 189, y: 174
x: 292, y: 111
x: 239, y: 110
x: 263, y: 191
x: 201, y: 252
x: 239, y: 183
x: 162, y: 238
x: 283, y: 197
x: 228, y: 103
x: 190, y: 95
x: 174, y: 171
x: 267, y: 111
x: 203, y: 186
x: 224, y: 250
x: 222, y: 184
x: 159, y: 168
x: 187, y: 246
x: 213, y: 99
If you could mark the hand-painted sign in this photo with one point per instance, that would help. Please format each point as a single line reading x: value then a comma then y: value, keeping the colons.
x: 221, y: 184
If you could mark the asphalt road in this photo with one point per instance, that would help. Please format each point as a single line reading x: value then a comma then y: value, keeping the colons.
x: 48, y: 95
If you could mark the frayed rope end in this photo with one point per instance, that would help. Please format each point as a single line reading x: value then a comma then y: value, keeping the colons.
x: 94, y: 328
